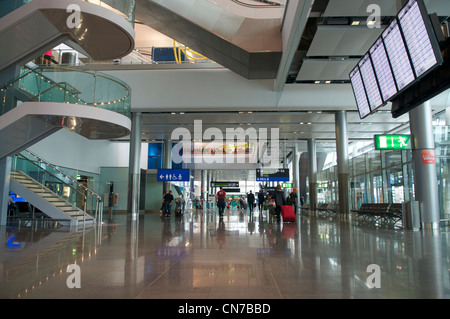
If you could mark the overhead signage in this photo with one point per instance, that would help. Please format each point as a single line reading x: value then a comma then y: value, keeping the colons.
x: 407, y: 50
x: 272, y: 175
x: 173, y: 175
x: 287, y: 185
x: 225, y: 184
x: 392, y: 142
x: 359, y: 91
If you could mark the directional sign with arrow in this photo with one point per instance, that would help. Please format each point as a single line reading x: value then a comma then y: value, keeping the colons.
x: 173, y: 175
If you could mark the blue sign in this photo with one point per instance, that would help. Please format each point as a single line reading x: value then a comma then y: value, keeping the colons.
x: 272, y: 175
x: 173, y: 175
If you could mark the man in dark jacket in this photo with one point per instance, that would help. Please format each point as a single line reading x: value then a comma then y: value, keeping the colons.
x: 168, y: 199
x: 278, y: 195
x: 261, y: 200
x: 251, y: 201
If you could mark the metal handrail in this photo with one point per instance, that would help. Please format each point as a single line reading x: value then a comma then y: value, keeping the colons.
x: 99, y: 207
x: 64, y: 174
x: 264, y: 4
x: 85, y: 196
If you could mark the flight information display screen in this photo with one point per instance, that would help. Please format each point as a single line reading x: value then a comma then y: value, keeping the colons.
x: 405, y: 52
x: 360, y: 93
x: 398, y: 55
x: 370, y: 83
x: 417, y: 38
x: 383, y: 70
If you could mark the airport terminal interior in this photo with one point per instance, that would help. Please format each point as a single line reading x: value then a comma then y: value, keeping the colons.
x: 224, y: 149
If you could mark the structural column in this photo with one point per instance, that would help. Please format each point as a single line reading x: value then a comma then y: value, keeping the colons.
x: 167, y: 162
x: 134, y: 181
x: 312, y: 174
x: 425, y: 176
x: 5, y: 164
x: 203, y: 184
x: 295, y: 167
x: 342, y: 161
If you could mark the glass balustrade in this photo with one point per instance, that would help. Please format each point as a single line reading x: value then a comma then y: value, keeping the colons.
x: 53, y: 179
x: 65, y: 85
x: 126, y: 8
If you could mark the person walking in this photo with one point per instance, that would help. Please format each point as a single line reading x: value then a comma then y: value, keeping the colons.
x: 261, y: 201
x: 221, y: 201
x: 168, y: 199
x: 251, y: 201
x: 278, y: 195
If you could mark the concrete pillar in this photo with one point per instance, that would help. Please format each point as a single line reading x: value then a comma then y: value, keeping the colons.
x: 342, y: 162
x: 296, y: 172
x: 167, y: 162
x: 425, y: 176
x: 134, y: 175
x: 312, y: 174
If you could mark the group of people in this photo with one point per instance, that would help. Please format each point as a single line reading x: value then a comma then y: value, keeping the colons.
x: 276, y: 197
x: 167, y: 201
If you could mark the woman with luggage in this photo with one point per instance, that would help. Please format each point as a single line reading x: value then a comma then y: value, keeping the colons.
x: 278, y: 195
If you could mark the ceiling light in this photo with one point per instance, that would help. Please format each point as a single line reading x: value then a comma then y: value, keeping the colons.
x: 356, y: 22
x: 317, y: 82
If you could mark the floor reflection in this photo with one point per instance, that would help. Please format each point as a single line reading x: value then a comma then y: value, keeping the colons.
x: 242, y: 255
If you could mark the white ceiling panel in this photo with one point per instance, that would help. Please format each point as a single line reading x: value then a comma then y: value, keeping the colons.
x: 358, y: 8
x: 343, y: 41
x: 323, y: 70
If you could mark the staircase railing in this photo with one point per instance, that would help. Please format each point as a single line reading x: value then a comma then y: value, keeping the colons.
x: 60, y: 183
x: 66, y: 85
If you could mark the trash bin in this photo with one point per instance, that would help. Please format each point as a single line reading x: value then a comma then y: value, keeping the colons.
x: 69, y: 58
x: 411, y: 215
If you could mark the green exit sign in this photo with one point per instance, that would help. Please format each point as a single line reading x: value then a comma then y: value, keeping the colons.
x: 392, y: 142
x: 288, y: 185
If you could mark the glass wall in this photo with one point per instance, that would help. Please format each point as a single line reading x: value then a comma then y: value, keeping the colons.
x: 388, y: 176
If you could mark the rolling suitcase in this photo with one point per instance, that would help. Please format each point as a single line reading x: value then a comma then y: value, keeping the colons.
x: 287, y: 212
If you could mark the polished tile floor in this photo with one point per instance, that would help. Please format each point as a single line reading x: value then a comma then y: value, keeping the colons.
x: 242, y: 256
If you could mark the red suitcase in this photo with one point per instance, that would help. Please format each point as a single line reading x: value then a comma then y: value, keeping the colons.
x: 287, y: 212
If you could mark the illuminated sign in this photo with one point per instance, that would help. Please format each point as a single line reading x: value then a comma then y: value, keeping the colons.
x: 392, y: 142
x: 272, y: 175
